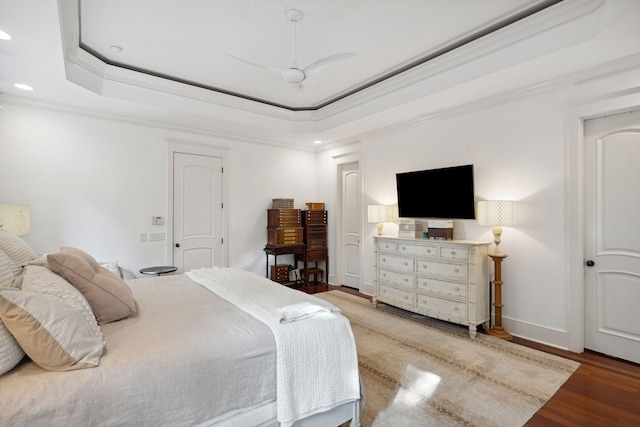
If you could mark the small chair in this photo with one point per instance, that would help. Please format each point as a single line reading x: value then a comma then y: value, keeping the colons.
x: 316, y: 273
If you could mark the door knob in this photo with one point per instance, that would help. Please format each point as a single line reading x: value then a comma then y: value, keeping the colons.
x: 177, y: 245
x: 590, y: 263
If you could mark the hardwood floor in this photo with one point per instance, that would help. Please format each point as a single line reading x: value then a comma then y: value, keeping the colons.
x: 603, y: 391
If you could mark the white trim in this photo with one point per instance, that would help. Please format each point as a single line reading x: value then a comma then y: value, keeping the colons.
x: 545, y: 335
x: 186, y: 147
x: 576, y: 115
x: 93, y: 74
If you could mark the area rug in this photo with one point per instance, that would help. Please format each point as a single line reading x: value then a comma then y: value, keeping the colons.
x: 421, y: 372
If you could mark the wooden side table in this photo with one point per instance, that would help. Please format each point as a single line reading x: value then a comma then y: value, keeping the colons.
x: 276, y: 250
x: 161, y: 269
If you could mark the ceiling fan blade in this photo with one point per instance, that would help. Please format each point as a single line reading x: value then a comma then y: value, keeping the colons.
x: 323, y: 63
x: 275, y: 70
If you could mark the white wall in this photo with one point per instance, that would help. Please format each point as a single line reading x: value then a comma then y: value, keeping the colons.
x: 95, y: 183
x: 519, y: 152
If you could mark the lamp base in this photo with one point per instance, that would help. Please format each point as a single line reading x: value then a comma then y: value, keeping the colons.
x: 499, y: 332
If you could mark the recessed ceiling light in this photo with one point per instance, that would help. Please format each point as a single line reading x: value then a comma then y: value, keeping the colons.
x: 317, y: 141
x: 23, y: 86
x: 5, y: 36
x: 116, y: 49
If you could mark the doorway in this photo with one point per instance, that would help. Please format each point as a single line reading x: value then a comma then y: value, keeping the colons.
x: 350, y: 224
x: 197, y: 211
x: 612, y: 235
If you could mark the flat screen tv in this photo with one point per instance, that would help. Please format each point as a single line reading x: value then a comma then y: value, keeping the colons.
x: 445, y: 193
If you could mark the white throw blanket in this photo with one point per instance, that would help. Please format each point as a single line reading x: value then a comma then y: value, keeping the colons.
x: 317, y: 363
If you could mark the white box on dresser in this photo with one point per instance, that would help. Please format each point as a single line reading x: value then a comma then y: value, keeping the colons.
x: 444, y: 279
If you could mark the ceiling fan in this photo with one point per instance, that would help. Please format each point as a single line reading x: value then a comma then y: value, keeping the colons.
x: 294, y: 75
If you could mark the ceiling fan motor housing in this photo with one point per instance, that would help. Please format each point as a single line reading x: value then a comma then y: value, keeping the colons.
x: 294, y: 76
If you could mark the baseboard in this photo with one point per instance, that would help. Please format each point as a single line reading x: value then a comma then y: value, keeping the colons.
x: 366, y: 289
x: 538, y: 333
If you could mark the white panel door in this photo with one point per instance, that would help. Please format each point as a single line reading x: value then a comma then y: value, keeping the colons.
x: 351, y: 225
x: 197, y: 211
x: 612, y: 235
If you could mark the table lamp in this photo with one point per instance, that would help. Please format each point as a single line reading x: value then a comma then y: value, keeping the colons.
x: 498, y: 213
x: 379, y: 214
x: 16, y: 219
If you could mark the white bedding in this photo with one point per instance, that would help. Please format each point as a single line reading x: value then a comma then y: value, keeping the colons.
x: 309, y: 333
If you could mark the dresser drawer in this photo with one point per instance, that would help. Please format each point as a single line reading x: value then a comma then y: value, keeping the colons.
x: 418, y: 250
x: 384, y: 246
x: 396, y: 296
x: 398, y: 279
x: 455, y: 253
x: 444, y: 307
x: 455, y: 271
x: 395, y: 262
x: 455, y: 289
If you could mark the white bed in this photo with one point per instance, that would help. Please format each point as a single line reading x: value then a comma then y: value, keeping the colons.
x: 186, y: 357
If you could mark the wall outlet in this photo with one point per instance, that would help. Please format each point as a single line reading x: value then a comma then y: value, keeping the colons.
x: 143, y: 237
x: 157, y: 220
x: 155, y: 237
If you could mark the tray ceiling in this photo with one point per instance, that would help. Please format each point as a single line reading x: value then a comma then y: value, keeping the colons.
x: 191, y: 42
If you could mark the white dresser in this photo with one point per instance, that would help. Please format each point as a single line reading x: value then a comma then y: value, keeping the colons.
x: 445, y: 279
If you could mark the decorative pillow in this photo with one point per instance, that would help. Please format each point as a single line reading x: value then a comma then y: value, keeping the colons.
x: 81, y: 254
x: 44, y: 281
x: 10, y: 351
x: 109, y: 296
x: 8, y: 270
x: 51, y: 332
x: 16, y: 248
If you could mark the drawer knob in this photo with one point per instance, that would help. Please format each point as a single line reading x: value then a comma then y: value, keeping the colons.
x: 428, y: 251
x: 424, y: 265
x: 406, y: 297
x: 457, y: 289
x: 404, y: 248
x: 453, y: 252
x: 406, y: 280
x: 457, y: 309
x: 424, y: 301
x: 384, y: 274
x: 406, y: 263
x: 457, y: 270
x: 384, y: 260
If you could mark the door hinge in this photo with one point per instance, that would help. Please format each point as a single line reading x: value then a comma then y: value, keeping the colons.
x: 222, y: 241
x: 221, y: 170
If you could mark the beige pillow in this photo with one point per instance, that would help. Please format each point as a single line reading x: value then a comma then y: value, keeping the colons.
x: 109, y: 296
x: 10, y: 351
x: 16, y: 248
x: 8, y: 270
x: 54, y: 334
x: 44, y: 281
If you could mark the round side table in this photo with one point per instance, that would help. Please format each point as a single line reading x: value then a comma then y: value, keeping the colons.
x: 162, y: 269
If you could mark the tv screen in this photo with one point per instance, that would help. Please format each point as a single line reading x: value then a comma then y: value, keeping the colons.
x: 445, y: 193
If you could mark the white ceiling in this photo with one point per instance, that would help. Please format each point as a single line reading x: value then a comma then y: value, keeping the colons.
x: 173, y: 67
x: 189, y: 41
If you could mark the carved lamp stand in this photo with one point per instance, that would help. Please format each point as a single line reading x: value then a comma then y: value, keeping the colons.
x: 497, y: 330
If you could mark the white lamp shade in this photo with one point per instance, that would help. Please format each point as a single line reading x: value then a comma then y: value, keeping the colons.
x: 497, y: 213
x: 378, y: 214
x: 16, y: 219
